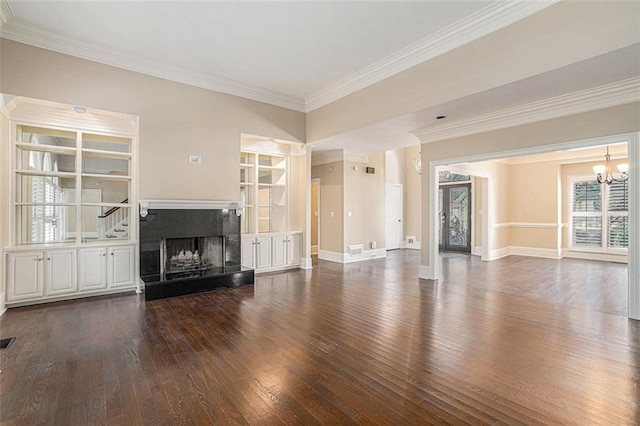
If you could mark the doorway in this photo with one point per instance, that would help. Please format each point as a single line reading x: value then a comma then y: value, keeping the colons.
x: 454, y: 232
x: 394, y: 217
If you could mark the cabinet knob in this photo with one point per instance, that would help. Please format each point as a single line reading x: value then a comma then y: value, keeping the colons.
x: 48, y: 258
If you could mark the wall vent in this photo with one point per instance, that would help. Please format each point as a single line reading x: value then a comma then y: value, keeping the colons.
x: 411, y: 239
x: 356, y: 250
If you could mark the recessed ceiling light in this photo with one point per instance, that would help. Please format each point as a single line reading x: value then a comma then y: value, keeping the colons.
x: 440, y: 117
x: 80, y: 110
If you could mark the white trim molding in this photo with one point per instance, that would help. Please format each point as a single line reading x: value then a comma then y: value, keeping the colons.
x: 335, y: 155
x: 527, y: 225
x: 306, y: 263
x: 6, y: 14
x: 188, y: 205
x: 426, y: 272
x: 333, y: 256
x: 634, y: 227
x: 489, y: 19
x: 608, y: 95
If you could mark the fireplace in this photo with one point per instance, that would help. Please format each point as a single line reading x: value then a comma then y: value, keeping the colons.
x: 190, y: 257
x: 189, y: 250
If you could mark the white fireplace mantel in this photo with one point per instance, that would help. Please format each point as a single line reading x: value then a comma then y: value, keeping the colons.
x: 145, y: 205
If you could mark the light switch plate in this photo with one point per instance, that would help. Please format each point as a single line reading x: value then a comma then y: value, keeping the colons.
x: 195, y: 159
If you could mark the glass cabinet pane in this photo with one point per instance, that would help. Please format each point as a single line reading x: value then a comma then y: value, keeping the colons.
x: 99, y: 190
x: 103, y: 165
x: 43, y: 136
x: 44, y: 189
x: 43, y: 161
x: 104, y: 223
x: 106, y: 143
x: 45, y: 224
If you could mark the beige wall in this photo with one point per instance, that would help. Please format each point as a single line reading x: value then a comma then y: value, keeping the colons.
x: 298, y: 192
x: 175, y: 119
x: 331, y: 201
x: 365, y: 198
x: 412, y: 195
x: 560, y: 35
x: 605, y: 122
x: 315, y: 213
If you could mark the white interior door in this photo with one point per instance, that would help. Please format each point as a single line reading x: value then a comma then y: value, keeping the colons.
x: 394, y: 216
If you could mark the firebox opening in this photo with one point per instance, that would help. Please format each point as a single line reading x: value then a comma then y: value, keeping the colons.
x: 185, y: 257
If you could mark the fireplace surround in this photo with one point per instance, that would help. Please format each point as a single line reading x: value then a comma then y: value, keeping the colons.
x: 190, y: 247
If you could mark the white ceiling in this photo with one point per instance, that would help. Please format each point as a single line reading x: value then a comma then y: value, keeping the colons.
x: 299, y: 55
x: 302, y: 55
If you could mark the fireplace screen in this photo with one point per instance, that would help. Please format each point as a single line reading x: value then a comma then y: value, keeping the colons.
x: 184, y: 257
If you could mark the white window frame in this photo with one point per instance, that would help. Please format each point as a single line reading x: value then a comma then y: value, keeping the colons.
x: 603, y: 215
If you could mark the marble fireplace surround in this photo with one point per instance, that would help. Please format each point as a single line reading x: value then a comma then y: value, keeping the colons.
x: 162, y: 220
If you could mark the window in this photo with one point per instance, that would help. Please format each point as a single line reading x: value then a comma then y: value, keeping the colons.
x: 70, y: 186
x: 599, y: 215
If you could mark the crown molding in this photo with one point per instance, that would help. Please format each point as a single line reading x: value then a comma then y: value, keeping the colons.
x: 485, y: 21
x: 609, y: 95
x: 5, y: 12
x: 319, y: 158
x: 19, y: 31
x: 34, y: 111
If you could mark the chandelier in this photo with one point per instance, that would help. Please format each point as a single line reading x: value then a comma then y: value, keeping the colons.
x: 417, y: 162
x: 604, y: 174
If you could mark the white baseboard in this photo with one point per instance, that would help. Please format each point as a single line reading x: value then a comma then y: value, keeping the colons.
x: 413, y: 246
x: 556, y: 254
x: 305, y: 263
x: 536, y: 252
x: 333, y: 256
x: 476, y: 251
x: 605, y: 257
x: 499, y: 253
x: 426, y: 273
x: 314, y: 249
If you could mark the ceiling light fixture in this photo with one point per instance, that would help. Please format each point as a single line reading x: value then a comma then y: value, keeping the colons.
x: 604, y: 174
x: 440, y: 117
x: 80, y: 110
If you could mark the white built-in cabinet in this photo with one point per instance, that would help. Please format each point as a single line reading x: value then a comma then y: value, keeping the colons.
x: 73, y: 188
x: 267, y: 253
x: 45, y: 275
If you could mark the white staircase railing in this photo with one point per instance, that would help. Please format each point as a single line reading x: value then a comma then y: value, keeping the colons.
x: 114, y: 224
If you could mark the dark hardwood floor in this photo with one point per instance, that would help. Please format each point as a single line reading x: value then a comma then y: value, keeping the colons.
x: 518, y: 340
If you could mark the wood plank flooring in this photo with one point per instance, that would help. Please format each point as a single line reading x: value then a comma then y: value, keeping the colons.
x: 518, y: 341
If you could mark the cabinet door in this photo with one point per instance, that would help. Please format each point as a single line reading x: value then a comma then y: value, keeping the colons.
x: 248, y: 247
x: 294, y: 244
x: 263, y: 250
x: 279, y: 250
x: 24, y: 273
x: 60, y: 272
x: 93, y: 269
x: 120, y: 269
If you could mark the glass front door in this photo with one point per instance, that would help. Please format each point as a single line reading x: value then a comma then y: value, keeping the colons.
x: 455, y: 217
